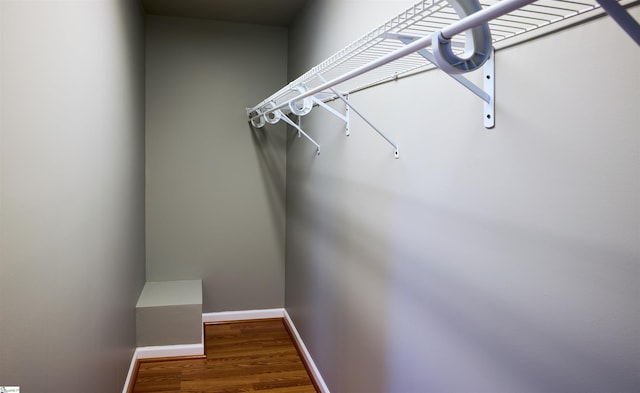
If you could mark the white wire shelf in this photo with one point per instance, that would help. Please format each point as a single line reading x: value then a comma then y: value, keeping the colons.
x: 421, y: 20
x: 457, y: 36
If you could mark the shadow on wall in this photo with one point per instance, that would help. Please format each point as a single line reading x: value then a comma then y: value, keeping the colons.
x: 412, y: 296
x: 270, y: 146
x: 508, y: 307
x: 338, y: 266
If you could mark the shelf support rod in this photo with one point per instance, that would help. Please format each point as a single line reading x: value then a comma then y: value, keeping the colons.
x: 344, y: 118
x: 396, y: 153
x: 297, y: 127
x: 329, y: 109
x: 622, y: 18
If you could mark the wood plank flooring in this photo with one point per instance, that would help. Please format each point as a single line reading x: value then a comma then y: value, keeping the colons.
x: 248, y: 356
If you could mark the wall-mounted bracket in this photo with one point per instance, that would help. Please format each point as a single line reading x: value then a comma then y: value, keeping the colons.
x: 334, y: 112
x: 347, y: 131
x: 258, y: 119
x: 488, y: 69
x: 300, y: 130
x: 489, y: 72
x: 396, y: 152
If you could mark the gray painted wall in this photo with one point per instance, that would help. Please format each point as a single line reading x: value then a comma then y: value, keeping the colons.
x: 215, y: 188
x: 71, y: 193
x: 488, y: 261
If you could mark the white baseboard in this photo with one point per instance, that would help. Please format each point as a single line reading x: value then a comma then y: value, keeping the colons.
x: 312, y: 366
x: 165, y: 351
x: 132, y: 367
x: 161, y: 351
x: 226, y: 316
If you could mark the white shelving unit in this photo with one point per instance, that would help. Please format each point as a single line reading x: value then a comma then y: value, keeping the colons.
x: 404, y: 45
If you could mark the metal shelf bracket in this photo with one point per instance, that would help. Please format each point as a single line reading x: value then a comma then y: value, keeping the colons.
x: 489, y: 76
x: 334, y: 112
x: 344, y: 99
x: 287, y: 120
x: 488, y: 69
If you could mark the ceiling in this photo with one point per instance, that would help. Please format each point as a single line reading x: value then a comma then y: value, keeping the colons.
x: 262, y: 12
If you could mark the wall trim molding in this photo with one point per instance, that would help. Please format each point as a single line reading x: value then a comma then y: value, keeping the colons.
x: 183, y: 350
x: 305, y: 353
x: 156, y: 352
x: 228, y: 316
x: 131, y: 373
x: 166, y: 351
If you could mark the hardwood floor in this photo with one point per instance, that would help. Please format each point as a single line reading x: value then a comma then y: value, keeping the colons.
x: 247, y: 356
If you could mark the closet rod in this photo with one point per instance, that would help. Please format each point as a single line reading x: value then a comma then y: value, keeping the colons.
x: 622, y: 17
x: 483, y: 16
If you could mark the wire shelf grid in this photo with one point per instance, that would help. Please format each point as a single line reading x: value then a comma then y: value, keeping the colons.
x: 421, y: 20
